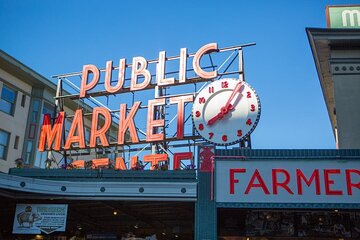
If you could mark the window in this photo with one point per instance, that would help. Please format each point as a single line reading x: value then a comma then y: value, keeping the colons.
x: 48, y: 108
x: 4, y: 142
x: 28, y: 152
x: 16, y: 143
x: 23, y: 99
x: 35, y: 111
x: 7, y: 100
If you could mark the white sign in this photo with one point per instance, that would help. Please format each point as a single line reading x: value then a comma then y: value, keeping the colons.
x: 37, y: 218
x: 287, y: 181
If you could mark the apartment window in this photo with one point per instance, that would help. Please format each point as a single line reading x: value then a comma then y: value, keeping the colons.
x: 35, y: 111
x: 7, y: 100
x: 16, y: 143
x: 23, y: 100
x: 28, y: 152
x: 48, y: 109
x: 4, y: 142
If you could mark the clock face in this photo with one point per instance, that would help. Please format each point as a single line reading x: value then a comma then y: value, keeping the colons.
x: 226, y: 111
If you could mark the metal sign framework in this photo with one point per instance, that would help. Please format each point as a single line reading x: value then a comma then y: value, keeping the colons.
x: 67, y: 89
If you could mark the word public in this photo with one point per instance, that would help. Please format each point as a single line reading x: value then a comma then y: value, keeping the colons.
x: 139, y: 68
x: 51, y: 134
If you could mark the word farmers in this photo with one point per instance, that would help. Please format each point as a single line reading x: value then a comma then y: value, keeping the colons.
x: 139, y: 70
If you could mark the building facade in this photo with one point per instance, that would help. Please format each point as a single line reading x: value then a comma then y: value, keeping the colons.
x: 235, y: 194
x: 26, y: 96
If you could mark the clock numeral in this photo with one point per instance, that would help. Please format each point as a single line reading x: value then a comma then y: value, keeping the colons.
x: 224, y: 138
x: 224, y: 84
x: 252, y: 107
x: 201, y: 100
x: 201, y: 127
x: 211, y: 134
x: 248, y: 95
x: 239, y: 133
x: 211, y: 89
x: 249, y: 122
x: 197, y: 114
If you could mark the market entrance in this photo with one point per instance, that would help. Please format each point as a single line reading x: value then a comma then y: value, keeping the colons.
x: 254, y: 224
x: 103, y: 219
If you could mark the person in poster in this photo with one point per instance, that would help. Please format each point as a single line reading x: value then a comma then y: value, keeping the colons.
x: 28, y: 216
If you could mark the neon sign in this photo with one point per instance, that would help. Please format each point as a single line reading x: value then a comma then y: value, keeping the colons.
x: 127, y: 132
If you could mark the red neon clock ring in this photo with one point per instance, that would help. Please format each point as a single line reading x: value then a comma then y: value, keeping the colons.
x: 226, y: 111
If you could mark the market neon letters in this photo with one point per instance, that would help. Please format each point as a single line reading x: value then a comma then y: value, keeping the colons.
x: 139, y: 69
x: 326, y: 180
x: 50, y: 136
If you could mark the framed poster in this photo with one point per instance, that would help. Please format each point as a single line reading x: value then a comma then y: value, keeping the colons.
x: 37, y: 218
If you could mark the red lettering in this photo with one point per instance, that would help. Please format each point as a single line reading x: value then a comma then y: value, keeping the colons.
x: 155, y: 159
x: 151, y: 134
x: 283, y: 184
x: 328, y: 182
x: 134, y: 161
x: 261, y: 183
x: 100, y: 133
x: 100, y: 162
x: 139, y: 67
x: 76, y: 124
x: 128, y: 123
x: 314, y: 176
x: 85, y: 86
x: 211, y: 47
x: 232, y: 178
x: 181, y: 156
x: 180, y: 112
x: 49, y: 134
x: 120, y: 164
x: 348, y: 180
x: 78, y: 164
x: 121, y: 76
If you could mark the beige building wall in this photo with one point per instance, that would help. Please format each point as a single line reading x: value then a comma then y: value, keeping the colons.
x: 15, y: 125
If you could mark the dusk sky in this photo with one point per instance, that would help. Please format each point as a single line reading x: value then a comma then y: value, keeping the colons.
x: 54, y: 37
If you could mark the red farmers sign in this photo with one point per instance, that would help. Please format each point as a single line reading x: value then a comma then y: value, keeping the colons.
x: 316, y: 181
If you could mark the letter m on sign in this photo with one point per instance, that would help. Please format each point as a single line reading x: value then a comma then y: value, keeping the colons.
x: 351, y: 17
x: 49, y: 133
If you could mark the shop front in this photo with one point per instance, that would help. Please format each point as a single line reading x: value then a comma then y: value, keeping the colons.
x: 288, y: 194
x: 88, y: 204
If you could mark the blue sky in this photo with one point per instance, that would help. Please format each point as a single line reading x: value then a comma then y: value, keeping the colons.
x: 54, y: 37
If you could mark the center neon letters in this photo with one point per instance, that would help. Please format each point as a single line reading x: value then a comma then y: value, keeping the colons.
x: 139, y: 68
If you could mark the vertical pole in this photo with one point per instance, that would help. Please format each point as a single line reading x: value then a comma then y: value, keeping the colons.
x: 246, y: 143
x: 59, y: 103
x: 56, y: 108
x: 156, y: 110
x: 241, y: 65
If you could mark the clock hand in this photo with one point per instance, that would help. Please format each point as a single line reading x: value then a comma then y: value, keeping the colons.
x: 228, y: 105
x: 214, y: 119
x: 225, y: 110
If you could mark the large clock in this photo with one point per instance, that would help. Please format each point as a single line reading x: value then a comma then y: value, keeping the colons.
x: 226, y: 111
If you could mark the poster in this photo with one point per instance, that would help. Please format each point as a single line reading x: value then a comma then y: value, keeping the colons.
x: 37, y: 218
